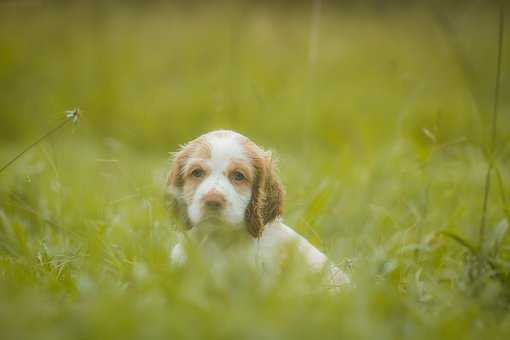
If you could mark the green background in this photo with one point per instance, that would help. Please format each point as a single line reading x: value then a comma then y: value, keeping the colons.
x: 380, y: 116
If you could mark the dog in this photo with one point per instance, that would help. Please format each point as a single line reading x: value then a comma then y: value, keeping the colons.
x: 223, y: 183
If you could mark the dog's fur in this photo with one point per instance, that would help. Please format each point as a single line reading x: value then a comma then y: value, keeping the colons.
x: 223, y: 178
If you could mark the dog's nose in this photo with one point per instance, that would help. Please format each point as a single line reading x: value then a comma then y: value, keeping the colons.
x: 214, y: 200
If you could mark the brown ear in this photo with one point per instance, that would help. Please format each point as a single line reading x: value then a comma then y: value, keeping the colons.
x: 267, y: 195
x: 174, y: 186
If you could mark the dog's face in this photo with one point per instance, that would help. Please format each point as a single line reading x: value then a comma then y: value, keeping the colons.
x: 223, y: 177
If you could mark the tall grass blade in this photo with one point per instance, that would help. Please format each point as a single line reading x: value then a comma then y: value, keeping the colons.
x: 493, y: 129
x: 460, y: 240
x: 39, y: 140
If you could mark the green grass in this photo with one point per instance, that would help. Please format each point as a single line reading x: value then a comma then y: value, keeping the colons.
x: 381, y: 141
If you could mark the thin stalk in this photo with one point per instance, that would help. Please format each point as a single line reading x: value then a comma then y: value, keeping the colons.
x: 313, y: 54
x: 43, y: 137
x: 493, y: 128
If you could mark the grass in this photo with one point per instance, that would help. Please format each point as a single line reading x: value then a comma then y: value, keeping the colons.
x: 381, y: 134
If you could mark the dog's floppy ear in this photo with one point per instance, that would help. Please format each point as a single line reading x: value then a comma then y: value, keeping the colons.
x: 267, y: 194
x: 174, y: 184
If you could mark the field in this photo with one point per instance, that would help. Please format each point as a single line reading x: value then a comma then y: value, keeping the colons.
x: 380, y: 115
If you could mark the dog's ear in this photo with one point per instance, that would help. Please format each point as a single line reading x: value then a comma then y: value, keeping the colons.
x: 174, y: 184
x: 266, y: 203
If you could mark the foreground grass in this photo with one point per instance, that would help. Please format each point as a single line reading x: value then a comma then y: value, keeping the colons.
x: 380, y: 128
x: 84, y: 252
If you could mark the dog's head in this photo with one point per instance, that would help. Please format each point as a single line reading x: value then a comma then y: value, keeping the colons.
x: 224, y: 177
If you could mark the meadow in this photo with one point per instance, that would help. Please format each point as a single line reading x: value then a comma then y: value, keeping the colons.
x: 380, y: 114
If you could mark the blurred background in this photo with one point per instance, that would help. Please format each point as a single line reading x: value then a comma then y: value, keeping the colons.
x: 379, y: 112
x: 294, y: 74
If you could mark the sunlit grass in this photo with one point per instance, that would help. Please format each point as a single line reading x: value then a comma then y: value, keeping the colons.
x: 380, y: 146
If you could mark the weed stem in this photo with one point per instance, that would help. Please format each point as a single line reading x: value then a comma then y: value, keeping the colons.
x: 493, y: 128
x: 43, y: 137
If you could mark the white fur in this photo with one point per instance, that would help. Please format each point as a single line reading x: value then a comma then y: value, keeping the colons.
x: 223, y: 151
x: 268, y: 249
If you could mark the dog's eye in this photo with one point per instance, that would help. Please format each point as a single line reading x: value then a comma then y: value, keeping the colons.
x: 238, y: 176
x: 198, y: 173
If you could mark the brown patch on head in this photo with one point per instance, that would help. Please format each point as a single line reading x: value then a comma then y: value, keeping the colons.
x: 266, y: 203
x: 245, y: 169
x: 197, y: 148
x: 201, y: 149
x: 177, y: 194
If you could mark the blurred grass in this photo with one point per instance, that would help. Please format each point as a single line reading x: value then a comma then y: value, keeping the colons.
x: 380, y: 132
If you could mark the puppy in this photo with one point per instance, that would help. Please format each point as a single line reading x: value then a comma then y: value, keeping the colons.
x: 223, y: 183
